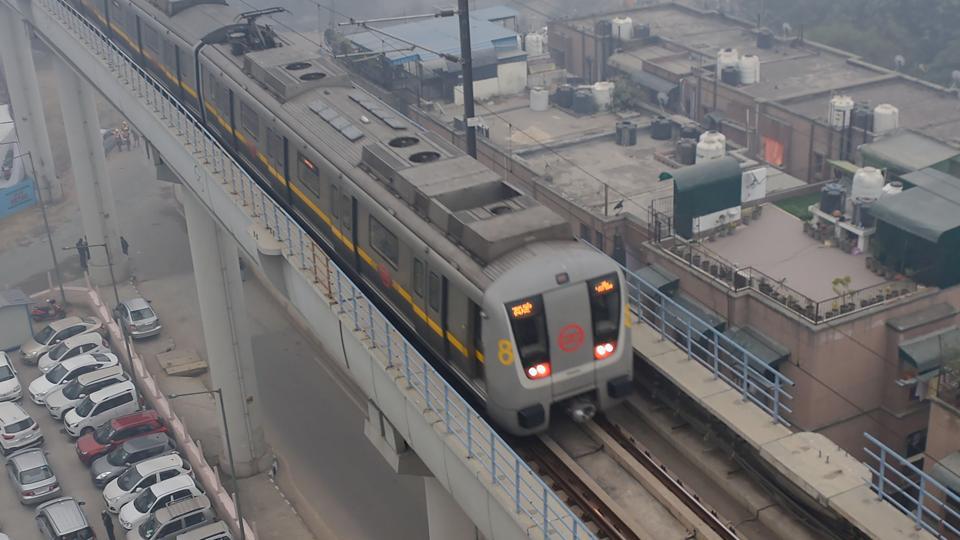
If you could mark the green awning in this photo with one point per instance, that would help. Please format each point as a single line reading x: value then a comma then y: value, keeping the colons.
x: 922, y: 317
x: 704, y: 320
x: 766, y: 350
x: 844, y: 165
x: 929, y: 210
x: 927, y: 353
x: 947, y: 472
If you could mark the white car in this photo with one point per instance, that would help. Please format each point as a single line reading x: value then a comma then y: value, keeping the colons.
x: 54, y: 333
x: 10, y: 389
x: 140, y: 476
x: 17, y: 429
x: 65, y: 399
x: 156, y: 497
x: 77, y: 345
x: 66, y: 371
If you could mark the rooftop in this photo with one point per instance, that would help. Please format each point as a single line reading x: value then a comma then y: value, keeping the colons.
x: 777, y: 246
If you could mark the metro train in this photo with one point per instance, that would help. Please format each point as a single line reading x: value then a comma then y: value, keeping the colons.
x: 494, y: 284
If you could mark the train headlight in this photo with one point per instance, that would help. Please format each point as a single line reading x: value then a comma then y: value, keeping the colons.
x: 538, y: 371
x: 603, y: 350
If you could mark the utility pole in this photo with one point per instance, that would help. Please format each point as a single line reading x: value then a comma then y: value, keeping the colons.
x: 466, y: 57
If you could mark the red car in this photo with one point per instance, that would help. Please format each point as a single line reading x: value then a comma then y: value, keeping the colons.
x: 115, y: 432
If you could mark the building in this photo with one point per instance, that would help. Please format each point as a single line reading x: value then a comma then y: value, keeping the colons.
x: 388, y: 57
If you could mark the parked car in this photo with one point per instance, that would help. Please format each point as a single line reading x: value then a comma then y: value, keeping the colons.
x: 55, y: 333
x: 110, y: 466
x: 32, y: 477
x: 17, y: 429
x: 140, y: 476
x: 114, y: 433
x: 156, y: 497
x: 66, y: 371
x: 138, y: 318
x: 10, y: 389
x: 63, y: 519
x: 60, y: 401
x: 75, y: 346
x: 217, y: 530
x: 180, y: 516
x: 114, y: 401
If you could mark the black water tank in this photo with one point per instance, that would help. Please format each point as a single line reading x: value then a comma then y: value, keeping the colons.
x: 623, y: 133
x: 583, y: 102
x: 831, y: 198
x: 661, y: 129
x: 686, y: 151
x: 765, y: 39
x: 690, y: 131
x: 604, y: 28
x: 730, y: 75
x: 863, y: 116
x: 641, y: 31
x: 564, y: 96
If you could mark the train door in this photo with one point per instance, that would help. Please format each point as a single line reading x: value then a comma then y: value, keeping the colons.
x: 437, y: 311
x: 570, y: 335
x: 344, y: 223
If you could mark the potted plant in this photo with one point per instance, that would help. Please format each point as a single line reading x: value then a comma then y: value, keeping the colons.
x: 841, y: 286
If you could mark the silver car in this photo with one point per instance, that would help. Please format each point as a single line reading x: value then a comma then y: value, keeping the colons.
x: 62, y: 519
x: 17, y: 429
x: 54, y: 333
x: 138, y: 318
x: 10, y: 389
x: 32, y: 476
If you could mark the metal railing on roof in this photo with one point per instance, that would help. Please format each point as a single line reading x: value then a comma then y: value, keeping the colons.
x: 449, y: 412
x: 932, y: 506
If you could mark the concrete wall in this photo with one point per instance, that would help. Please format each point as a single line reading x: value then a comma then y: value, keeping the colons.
x: 512, y: 77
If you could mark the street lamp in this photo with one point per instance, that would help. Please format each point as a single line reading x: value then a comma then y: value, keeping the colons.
x: 226, y: 435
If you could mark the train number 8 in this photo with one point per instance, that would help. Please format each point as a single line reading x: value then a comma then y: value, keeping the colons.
x: 505, y: 352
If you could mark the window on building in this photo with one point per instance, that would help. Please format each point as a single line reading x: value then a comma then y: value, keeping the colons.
x: 599, y: 243
x: 384, y: 242
x: 585, y: 232
x: 249, y: 121
x: 916, y: 442
x: 818, y: 165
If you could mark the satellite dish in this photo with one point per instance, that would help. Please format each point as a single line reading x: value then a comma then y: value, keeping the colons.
x: 899, y: 61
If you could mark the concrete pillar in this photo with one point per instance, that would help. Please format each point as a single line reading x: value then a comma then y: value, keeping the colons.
x: 89, y: 164
x: 21, y: 77
x: 226, y: 334
x: 445, y: 519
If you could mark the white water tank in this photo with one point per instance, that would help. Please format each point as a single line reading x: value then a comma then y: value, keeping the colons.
x: 867, y: 183
x: 712, y: 145
x: 886, y: 117
x: 892, y: 188
x: 603, y: 94
x: 539, y: 99
x: 749, y: 69
x: 622, y: 28
x: 727, y: 58
x: 534, y: 42
x: 840, y: 112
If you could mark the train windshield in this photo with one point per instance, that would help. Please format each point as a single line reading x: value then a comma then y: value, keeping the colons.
x: 605, y: 313
x: 529, y: 325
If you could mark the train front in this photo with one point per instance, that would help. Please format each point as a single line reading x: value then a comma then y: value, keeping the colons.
x: 556, y: 337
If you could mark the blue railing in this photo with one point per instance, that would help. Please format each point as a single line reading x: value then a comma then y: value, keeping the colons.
x: 931, y: 505
x: 726, y: 359
x: 491, y: 457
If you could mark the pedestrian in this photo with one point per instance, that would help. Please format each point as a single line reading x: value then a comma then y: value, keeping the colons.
x: 108, y: 524
x: 86, y: 248
x: 124, y: 245
x: 81, y: 251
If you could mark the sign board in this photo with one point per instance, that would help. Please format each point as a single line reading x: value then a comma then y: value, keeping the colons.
x: 754, y: 185
x: 17, y: 197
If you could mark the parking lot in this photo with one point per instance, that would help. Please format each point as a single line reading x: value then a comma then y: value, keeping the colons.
x: 17, y: 520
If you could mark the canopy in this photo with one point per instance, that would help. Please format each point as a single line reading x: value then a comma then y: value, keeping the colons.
x: 947, y: 472
x: 656, y: 277
x: 764, y: 349
x: 928, y: 210
x: 927, y: 353
x: 685, y: 309
x: 907, y: 151
x: 703, y: 189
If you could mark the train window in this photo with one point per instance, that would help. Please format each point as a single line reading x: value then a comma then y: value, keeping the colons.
x: 249, y: 120
x: 334, y: 197
x: 222, y: 96
x: 434, y: 292
x: 275, y: 148
x: 347, y: 210
x: 307, y: 172
x: 605, y: 312
x: 418, y: 277
x: 529, y: 325
x: 151, y: 39
x: 384, y: 242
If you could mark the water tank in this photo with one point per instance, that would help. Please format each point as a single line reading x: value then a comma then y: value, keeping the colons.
x: 863, y: 116
x: 603, y: 28
x: 626, y: 133
x: 765, y: 39
x: 564, y: 96
x: 686, y: 151
x: 641, y: 31
x: 623, y: 28
x: 727, y: 58
x: 690, y: 131
x: 867, y: 182
x: 831, y: 198
x: 583, y: 102
x: 534, y: 44
x: 749, y: 69
x: 603, y: 94
x: 730, y: 75
x: 712, y: 145
x: 886, y: 117
x: 862, y: 212
x: 892, y: 188
x: 661, y: 129
x: 539, y: 99
x: 839, y: 113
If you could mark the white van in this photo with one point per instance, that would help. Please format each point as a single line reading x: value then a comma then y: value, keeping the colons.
x: 101, y: 406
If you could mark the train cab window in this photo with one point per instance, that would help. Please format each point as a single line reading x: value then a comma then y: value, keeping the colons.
x: 249, y: 120
x: 605, y: 313
x: 384, y: 242
x: 307, y: 172
x: 529, y: 324
x: 418, y: 276
x: 434, y: 292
